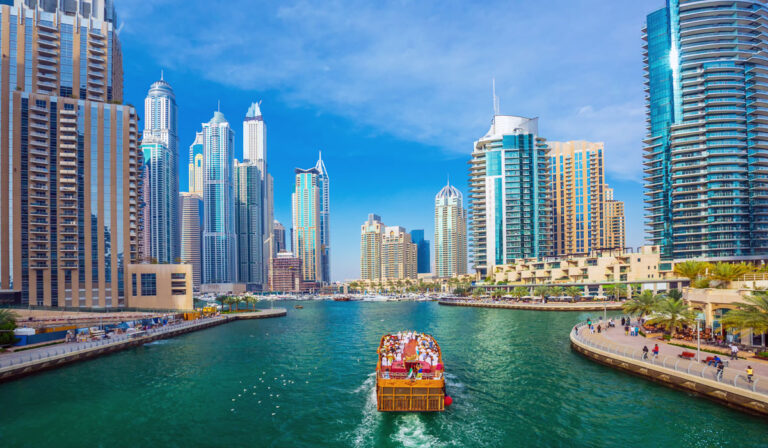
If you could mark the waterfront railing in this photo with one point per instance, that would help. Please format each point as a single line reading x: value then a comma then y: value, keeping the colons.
x: 729, y: 376
x: 46, y: 353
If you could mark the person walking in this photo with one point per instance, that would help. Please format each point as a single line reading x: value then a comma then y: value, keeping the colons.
x: 599, y: 328
x: 655, y: 351
x: 626, y: 330
x: 749, y: 374
x: 622, y: 321
x: 734, y: 351
x: 645, y: 352
x: 720, y: 371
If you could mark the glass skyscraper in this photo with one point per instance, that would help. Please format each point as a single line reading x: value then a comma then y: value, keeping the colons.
x: 219, y: 238
x: 196, y: 164
x: 310, y: 222
x: 69, y: 162
x: 450, y: 233
x: 323, y: 185
x: 508, y: 207
x: 423, y: 265
x: 249, y: 209
x: 706, y: 151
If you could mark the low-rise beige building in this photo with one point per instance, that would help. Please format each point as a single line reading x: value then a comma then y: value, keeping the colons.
x: 714, y: 303
x: 160, y: 286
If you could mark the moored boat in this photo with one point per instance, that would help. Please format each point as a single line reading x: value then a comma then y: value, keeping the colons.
x: 410, y: 376
x: 298, y: 307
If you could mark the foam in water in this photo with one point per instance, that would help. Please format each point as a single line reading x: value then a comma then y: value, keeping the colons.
x: 412, y: 432
x: 365, y: 431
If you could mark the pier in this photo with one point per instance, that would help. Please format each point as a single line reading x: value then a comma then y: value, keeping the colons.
x: 551, y: 306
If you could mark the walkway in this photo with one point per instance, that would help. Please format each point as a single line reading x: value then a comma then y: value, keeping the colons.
x: 549, y: 306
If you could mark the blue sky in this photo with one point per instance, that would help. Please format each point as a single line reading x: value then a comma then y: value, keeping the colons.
x: 395, y: 93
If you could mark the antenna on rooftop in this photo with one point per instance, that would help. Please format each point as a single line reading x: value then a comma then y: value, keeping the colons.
x: 495, y: 99
x: 218, y: 106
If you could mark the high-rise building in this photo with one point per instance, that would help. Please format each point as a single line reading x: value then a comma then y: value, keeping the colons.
x: 196, y: 165
x: 614, y: 222
x: 706, y: 191
x: 69, y: 164
x: 161, y: 180
x: 371, y: 234
x: 423, y: 265
x: 450, y: 233
x: 219, y: 237
x: 286, y: 273
x: 249, y: 207
x: 398, y: 254
x: 191, y: 213
x: 508, y: 208
x: 255, y: 136
x: 578, y: 198
x: 306, y: 223
x: 278, y: 230
x: 325, y: 213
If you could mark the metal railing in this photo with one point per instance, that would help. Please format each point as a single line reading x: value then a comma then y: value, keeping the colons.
x: 45, y: 353
x: 729, y: 376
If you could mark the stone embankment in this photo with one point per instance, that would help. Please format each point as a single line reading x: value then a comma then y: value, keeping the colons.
x: 551, y: 306
x: 20, y: 364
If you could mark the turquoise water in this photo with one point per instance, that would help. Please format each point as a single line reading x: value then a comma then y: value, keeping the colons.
x: 306, y: 380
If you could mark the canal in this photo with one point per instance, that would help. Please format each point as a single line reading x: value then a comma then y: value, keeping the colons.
x: 306, y: 380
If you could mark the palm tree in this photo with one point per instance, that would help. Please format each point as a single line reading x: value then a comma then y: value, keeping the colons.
x: 691, y: 269
x: 608, y: 290
x: 7, y: 323
x: 752, y: 314
x: 725, y: 273
x: 573, y: 291
x: 519, y: 292
x: 671, y: 313
x: 642, y: 304
x: 497, y: 293
x: 619, y: 290
x: 674, y: 294
x: 541, y: 292
x: 556, y: 291
x: 477, y: 293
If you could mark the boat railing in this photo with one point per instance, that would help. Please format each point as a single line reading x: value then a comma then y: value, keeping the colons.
x: 389, y: 375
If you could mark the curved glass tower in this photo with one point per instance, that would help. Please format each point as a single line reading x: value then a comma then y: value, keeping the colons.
x: 706, y: 154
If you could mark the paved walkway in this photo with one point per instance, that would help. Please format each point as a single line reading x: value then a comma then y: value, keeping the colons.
x: 616, y: 335
x: 540, y: 306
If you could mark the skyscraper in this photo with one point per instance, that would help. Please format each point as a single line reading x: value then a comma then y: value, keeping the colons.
x: 325, y: 214
x: 191, y: 212
x: 450, y: 233
x: 578, y: 198
x: 249, y: 207
x: 161, y: 181
x: 219, y: 238
x: 398, y: 254
x: 706, y: 193
x: 306, y: 223
x: 196, y: 165
x: 423, y: 265
x: 371, y: 234
x: 508, y: 193
x: 278, y: 230
x: 614, y: 222
x: 69, y: 164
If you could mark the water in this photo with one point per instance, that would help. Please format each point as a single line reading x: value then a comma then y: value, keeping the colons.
x: 306, y: 380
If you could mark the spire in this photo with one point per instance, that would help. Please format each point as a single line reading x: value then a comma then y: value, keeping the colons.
x: 218, y: 106
x: 161, y: 75
x: 495, y: 99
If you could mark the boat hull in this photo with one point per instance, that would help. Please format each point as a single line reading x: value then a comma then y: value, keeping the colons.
x: 395, y: 395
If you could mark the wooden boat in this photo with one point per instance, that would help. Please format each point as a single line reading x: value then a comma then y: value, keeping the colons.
x: 298, y: 307
x: 342, y: 299
x: 402, y: 388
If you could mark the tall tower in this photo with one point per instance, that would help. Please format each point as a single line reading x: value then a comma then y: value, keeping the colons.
x: 219, y: 238
x: 196, y: 165
x: 279, y: 236
x: 398, y: 254
x: 615, y: 237
x: 325, y: 215
x: 508, y: 178
x: 705, y: 192
x: 306, y: 242
x: 450, y: 233
x: 161, y: 181
x: 423, y: 265
x: 191, y: 213
x: 249, y: 207
x: 70, y: 186
x: 371, y: 234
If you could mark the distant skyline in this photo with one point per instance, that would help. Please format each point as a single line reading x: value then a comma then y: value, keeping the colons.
x: 395, y: 95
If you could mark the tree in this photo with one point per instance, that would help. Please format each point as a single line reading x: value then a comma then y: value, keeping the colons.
x: 574, y: 291
x: 618, y: 291
x: 519, y: 292
x: 556, y: 291
x: 671, y: 313
x: 7, y: 325
x: 497, y: 293
x: 608, y: 290
x: 477, y: 293
x: 642, y: 304
x: 541, y: 292
x: 691, y: 269
x: 725, y: 273
x: 752, y: 314
x: 674, y: 294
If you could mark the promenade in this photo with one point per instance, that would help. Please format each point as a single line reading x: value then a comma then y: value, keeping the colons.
x: 549, y: 306
x: 20, y: 363
x: 615, y: 349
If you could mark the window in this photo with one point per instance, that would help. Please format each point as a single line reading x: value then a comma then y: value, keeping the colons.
x: 134, y: 288
x: 148, y: 284
x: 178, y: 276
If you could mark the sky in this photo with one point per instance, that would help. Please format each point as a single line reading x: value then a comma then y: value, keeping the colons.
x: 395, y: 93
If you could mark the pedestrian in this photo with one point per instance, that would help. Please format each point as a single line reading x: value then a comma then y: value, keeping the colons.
x: 720, y: 371
x: 749, y: 374
x: 599, y: 328
x: 645, y: 352
x: 734, y: 351
x: 626, y: 330
x: 576, y: 330
x: 622, y: 321
x: 656, y: 351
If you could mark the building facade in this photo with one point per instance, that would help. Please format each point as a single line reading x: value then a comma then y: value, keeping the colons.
x: 578, y: 199
x: 249, y: 207
x: 191, y: 212
x: 324, y: 185
x: 705, y: 158
x: 450, y: 233
x: 196, y: 164
x: 306, y: 224
x: 161, y: 286
x: 278, y: 232
x: 398, y: 254
x: 70, y: 185
x: 371, y: 234
x: 423, y: 262
x: 614, y: 221
x: 219, y: 237
x: 508, y: 204
x: 286, y: 273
